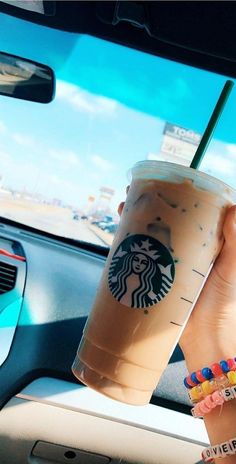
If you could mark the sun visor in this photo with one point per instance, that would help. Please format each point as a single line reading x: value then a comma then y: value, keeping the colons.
x: 47, y: 8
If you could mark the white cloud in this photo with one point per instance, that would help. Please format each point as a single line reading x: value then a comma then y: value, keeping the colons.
x: 220, y: 162
x: 68, y: 157
x: 231, y: 149
x: 3, y: 127
x: 101, y: 163
x: 84, y: 101
x: 216, y: 164
x: 23, y: 139
x: 5, y: 159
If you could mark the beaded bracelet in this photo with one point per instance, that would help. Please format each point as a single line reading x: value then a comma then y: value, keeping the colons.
x: 208, y: 373
x: 211, y: 401
x: 201, y: 391
x: 219, y: 451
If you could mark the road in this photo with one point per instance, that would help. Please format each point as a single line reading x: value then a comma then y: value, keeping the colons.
x: 49, y: 218
x: 80, y: 231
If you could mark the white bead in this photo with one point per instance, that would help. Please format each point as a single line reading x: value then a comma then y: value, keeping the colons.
x: 233, y: 444
x: 233, y: 389
x: 226, y: 448
x: 227, y: 394
x: 207, y: 453
x: 216, y: 451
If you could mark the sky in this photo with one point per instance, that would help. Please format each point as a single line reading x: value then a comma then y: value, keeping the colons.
x: 109, y: 112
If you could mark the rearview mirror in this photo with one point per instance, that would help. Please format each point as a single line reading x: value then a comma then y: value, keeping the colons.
x: 25, y: 79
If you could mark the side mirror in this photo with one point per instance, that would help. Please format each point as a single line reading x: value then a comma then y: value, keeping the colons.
x: 25, y: 79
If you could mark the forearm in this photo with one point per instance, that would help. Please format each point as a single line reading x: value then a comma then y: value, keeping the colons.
x: 220, y: 422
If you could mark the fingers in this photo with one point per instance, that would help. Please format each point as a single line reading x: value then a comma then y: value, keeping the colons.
x: 120, y: 208
x: 121, y: 205
x: 229, y: 229
x: 226, y: 262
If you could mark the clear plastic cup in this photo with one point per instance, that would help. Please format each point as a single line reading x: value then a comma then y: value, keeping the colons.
x: 169, y: 236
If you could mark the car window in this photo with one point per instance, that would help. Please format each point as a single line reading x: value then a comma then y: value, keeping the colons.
x: 64, y: 165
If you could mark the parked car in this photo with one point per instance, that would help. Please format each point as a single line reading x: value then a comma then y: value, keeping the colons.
x: 111, y: 227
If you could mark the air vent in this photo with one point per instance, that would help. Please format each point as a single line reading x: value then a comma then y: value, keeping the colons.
x: 7, y: 277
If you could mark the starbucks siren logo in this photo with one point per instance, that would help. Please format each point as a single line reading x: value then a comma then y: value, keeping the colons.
x: 142, y: 272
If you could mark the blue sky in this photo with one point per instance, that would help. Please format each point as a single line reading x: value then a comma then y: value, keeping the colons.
x: 109, y: 112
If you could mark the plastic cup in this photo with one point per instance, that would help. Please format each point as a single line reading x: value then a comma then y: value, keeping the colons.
x: 169, y: 236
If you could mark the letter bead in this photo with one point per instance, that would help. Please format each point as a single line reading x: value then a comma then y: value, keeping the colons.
x: 233, y: 389
x: 226, y: 448
x: 216, y: 451
x: 233, y: 443
x: 227, y: 394
x: 206, y: 454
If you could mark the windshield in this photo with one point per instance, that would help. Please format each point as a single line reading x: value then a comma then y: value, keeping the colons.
x: 64, y: 165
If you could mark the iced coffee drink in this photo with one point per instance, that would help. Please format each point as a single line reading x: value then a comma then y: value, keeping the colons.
x: 169, y: 235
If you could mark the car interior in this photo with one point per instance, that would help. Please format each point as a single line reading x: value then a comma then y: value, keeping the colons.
x: 81, y: 80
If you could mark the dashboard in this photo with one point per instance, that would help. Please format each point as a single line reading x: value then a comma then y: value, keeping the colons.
x: 47, y: 288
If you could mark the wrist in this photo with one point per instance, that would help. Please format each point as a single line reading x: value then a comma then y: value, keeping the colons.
x: 202, y: 355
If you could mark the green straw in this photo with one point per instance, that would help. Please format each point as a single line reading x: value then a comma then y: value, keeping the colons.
x: 206, y: 138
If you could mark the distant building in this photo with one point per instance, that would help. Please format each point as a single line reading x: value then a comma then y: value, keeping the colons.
x: 178, y: 145
x: 56, y: 202
x: 101, y: 207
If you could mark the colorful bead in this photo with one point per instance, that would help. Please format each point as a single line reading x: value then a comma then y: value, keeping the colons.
x: 196, y: 393
x: 224, y: 366
x: 232, y: 377
x: 186, y: 384
x: 204, y: 408
x: 216, y: 369
x: 189, y: 381
x: 200, y: 376
x: 232, y: 364
x: 206, y: 387
x: 222, y: 381
x: 213, y: 383
x: 194, y: 378
x: 217, y: 398
x: 207, y: 373
x: 208, y: 401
